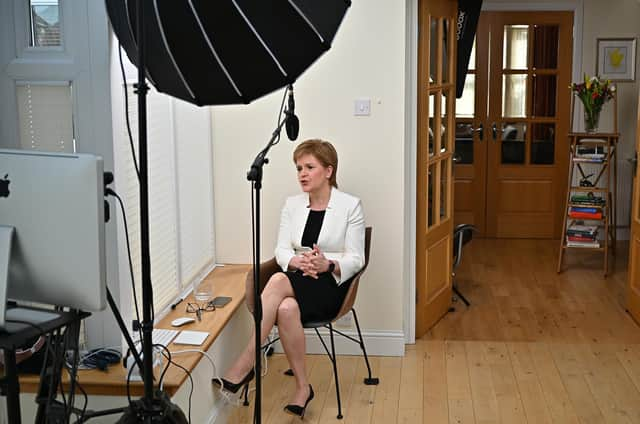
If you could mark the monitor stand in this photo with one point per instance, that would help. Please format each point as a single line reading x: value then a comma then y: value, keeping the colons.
x: 6, y: 241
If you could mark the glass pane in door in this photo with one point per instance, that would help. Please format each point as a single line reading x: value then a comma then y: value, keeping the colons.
x: 434, y: 54
x: 514, y: 94
x: 431, y: 191
x: 545, y: 46
x: 445, y: 51
x: 45, y: 116
x: 514, y: 53
x: 514, y: 135
x: 443, y: 123
x: 431, y: 129
x: 445, y: 166
x: 465, y: 105
x: 44, y: 23
x: 464, y: 143
x: 542, y: 143
x: 544, y: 95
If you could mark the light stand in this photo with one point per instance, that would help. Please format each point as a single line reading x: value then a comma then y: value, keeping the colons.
x: 152, y: 408
x: 255, y: 175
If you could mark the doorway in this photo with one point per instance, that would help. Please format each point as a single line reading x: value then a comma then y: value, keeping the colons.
x: 511, y: 149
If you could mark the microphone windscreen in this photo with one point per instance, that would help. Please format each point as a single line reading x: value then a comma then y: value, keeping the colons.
x: 292, y: 126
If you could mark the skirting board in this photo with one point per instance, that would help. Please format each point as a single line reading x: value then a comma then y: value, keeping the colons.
x: 377, y: 343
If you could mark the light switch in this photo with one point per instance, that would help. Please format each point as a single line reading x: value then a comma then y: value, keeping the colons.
x: 362, y: 107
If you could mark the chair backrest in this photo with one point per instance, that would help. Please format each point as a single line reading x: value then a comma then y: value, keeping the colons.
x: 270, y: 267
x: 350, y: 298
x: 462, y: 235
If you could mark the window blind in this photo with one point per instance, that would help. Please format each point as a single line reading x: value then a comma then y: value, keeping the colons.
x: 180, y: 194
x: 45, y: 116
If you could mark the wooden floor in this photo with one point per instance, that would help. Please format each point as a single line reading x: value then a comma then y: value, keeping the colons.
x: 534, y: 347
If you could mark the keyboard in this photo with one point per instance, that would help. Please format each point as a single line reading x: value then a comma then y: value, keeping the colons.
x: 160, y: 336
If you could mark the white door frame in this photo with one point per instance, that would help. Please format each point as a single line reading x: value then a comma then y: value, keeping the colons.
x: 411, y: 122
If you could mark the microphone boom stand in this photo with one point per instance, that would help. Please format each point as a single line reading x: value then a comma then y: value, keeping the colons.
x: 255, y: 175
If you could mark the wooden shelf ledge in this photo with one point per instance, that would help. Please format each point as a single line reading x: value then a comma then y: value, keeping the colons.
x: 228, y: 280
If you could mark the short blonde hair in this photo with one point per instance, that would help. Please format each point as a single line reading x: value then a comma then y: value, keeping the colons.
x: 323, y: 151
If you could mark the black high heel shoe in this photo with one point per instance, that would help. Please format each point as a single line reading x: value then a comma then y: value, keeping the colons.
x: 234, y: 387
x: 297, y: 409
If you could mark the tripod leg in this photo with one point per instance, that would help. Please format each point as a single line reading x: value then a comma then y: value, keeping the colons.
x: 123, y: 330
x: 464, y: 299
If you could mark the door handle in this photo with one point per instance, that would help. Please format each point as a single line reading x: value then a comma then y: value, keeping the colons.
x: 456, y: 158
x: 494, y: 131
x: 480, y: 131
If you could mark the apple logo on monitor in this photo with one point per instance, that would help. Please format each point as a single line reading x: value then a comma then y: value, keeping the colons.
x: 4, y: 186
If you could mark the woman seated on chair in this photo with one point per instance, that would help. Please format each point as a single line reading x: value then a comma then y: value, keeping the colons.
x: 320, y: 248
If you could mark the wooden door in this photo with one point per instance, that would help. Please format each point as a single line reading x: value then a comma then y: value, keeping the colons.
x: 522, y: 103
x: 633, y: 292
x: 434, y: 223
x: 472, y: 135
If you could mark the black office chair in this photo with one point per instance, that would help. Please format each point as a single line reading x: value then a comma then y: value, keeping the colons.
x: 267, y: 269
x: 462, y: 235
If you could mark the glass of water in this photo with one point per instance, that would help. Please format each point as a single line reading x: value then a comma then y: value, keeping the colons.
x: 203, y: 291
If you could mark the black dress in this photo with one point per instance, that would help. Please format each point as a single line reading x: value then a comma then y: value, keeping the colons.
x: 319, y: 299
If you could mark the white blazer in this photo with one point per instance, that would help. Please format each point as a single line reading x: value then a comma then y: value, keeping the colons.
x: 341, y: 237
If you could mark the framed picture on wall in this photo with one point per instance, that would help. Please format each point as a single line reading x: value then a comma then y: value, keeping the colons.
x: 616, y: 59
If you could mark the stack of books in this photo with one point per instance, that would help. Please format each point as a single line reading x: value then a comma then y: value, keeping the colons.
x: 587, y: 200
x: 591, y: 154
x: 580, y: 235
x: 580, y: 212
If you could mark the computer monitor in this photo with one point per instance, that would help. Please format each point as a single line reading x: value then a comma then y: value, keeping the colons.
x: 52, y: 221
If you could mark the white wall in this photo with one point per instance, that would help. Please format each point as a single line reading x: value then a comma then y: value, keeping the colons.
x: 616, y: 19
x: 367, y: 60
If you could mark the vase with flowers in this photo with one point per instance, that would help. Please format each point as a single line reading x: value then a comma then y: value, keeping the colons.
x: 594, y: 93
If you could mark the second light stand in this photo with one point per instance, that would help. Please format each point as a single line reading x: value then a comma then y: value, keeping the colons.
x: 255, y: 175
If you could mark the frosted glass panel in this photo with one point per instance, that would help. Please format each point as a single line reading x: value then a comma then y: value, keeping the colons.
x: 514, y: 93
x: 44, y: 23
x: 465, y: 105
x: 514, y: 52
x: 45, y: 117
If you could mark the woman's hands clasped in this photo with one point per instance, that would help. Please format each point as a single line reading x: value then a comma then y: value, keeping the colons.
x: 313, y: 262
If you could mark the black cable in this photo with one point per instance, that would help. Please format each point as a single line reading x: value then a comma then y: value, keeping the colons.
x: 126, y: 232
x: 168, y: 356
x: 129, y: 383
x: 71, y: 337
x: 126, y: 111
x: 170, y: 361
x: 279, y: 120
x: 86, y: 402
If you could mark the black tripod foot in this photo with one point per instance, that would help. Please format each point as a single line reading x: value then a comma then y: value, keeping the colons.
x: 464, y: 299
x: 288, y: 372
x: 372, y: 381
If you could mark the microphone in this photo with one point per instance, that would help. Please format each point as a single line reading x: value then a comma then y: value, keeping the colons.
x: 292, y: 124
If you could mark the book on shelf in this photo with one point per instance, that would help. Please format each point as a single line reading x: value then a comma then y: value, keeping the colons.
x: 585, y: 244
x: 591, y: 150
x: 580, y: 228
x: 585, y: 239
x: 584, y: 209
x: 590, y: 198
x: 588, y: 159
x: 585, y: 215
